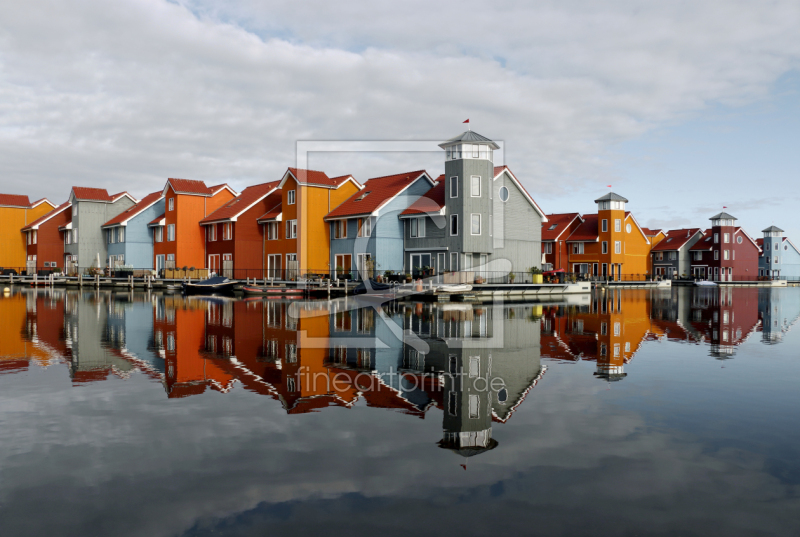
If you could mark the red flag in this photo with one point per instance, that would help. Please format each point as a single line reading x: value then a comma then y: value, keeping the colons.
x: 467, y: 121
x: 724, y: 207
x: 609, y: 186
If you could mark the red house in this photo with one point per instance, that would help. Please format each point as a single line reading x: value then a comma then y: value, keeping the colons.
x: 234, y: 238
x: 555, y: 232
x: 45, y: 242
x: 726, y: 254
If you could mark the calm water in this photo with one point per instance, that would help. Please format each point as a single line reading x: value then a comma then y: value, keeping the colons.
x: 630, y: 413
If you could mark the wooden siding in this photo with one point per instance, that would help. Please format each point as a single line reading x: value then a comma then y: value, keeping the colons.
x: 13, y: 247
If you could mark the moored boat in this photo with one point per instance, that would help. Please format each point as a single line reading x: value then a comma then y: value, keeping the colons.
x: 211, y: 285
x: 271, y: 291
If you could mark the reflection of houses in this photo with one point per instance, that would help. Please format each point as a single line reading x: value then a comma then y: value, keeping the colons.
x: 779, y: 310
x: 723, y: 317
x: 18, y: 333
x: 129, y: 332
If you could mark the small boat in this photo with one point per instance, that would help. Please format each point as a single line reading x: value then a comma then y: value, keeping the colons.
x: 271, y: 291
x: 212, y: 285
x: 376, y: 287
x: 705, y: 283
x: 454, y: 288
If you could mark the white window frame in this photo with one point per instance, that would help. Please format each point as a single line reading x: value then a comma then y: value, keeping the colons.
x: 171, y: 204
x: 577, y: 248
x: 339, y: 229
x: 454, y: 218
x: 604, y: 225
x: 548, y: 247
x: 291, y: 197
x: 291, y: 229
x: 121, y: 234
x: 171, y: 233
x: 227, y: 231
x: 618, y: 225
x: 273, y: 231
x: 212, y: 233
x: 365, y: 229
x: 453, y: 261
x: 454, y: 186
x: 472, y: 224
x: 604, y: 247
x: 617, y: 247
x: 473, y: 193
x: 158, y: 234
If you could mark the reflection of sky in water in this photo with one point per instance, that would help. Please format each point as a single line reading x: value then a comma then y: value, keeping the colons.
x: 685, y: 443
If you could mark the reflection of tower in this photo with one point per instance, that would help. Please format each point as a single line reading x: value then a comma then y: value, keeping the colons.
x: 611, y: 340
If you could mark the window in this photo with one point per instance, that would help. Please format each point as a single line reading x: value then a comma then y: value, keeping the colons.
x: 767, y: 259
x: 739, y: 240
x: 659, y: 256
x: 673, y: 256
x: 34, y: 236
x: 453, y: 261
x: 726, y: 255
x: 617, y: 247
x: 767, y: 245
x: 227, y: 231
x: 476, y: 224
x: 604, y: 247
x: 617, y: 225
x: 628, y: 228
x: 291, y: 229
x: 272, y: 231
x: 716, y: 237
x: 75, y: 236
x: 172, y: 204
x: 551, y: 228
x: 417, y: 227
x: 605, y: 225
x: 504, y: 198
x: 171, y: 232
x: 698, y: 256
x: 212, y: 232
x: 454, y: 186
x: 474, y: 405
x: 110, y: 236
x: 290, y: 197
x: 776, y: 259
x: 548, y: 247
x: 121, y: 234
x: 716, y: 254
x: 474, y: 366
x: 617, y: 329
x: 577, y: 248
x: 476, y: 186
x: 339, y: 229
x: 726, y: 238
x: 158, y: 233
x: 454, y: 224
x: 365, y: 227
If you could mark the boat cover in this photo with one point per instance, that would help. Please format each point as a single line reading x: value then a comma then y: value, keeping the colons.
x: 361, y: 288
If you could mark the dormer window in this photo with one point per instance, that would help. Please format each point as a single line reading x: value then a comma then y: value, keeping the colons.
x: 362, y: 196
x: 551, y: 228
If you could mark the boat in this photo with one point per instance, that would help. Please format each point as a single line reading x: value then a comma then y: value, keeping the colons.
x: 216, y: 284
x: 454, y: 288
x: 375, y: 287
x: 705, y: 283
x: 271, y: 291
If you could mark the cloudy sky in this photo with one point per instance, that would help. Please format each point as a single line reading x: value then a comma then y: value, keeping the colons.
x: 682, y: 106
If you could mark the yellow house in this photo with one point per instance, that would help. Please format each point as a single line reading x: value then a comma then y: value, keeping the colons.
x: 16, y: 212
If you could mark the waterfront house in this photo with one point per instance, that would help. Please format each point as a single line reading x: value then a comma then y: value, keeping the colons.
x: 726, y: 253
x: 91, y: 208
x: 16, y: 212
x: 779, y: 257
x: 235, y: 241
x: 671, y: 256
x: 610, y: 244
x: 179, y: 239
x: 366, y: 233
x: 297, y: 236
x: 476, y: 214
x: 555, y: 232
x: 45, y: 240
x: 128, y: 236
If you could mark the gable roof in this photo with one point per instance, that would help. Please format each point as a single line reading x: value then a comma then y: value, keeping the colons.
x: 15, y: 200
x: 316, y: 178
x: 147, y: 202
x: 275, y: 213
x: 704, y: 243
x: 430, y: 202
x: 188, y: 186
x: 84, y: 193
x: 469, y: 136
x: 587, y: 231
x: 241, y: 203
x: 157, y: 221
x: 40, y: 201
x: 115, y: 197
x: 628, y: 214
x: 676, y: 239
x: 44, y: 218
x: 557, y: 224
x: 743, y: 232
x: 500, y: 169
x: 376, y: 193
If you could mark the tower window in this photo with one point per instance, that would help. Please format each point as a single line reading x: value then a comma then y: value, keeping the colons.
x: 454, y: 186
x: 605, y: 225
x: 476, y: 186
x: 454, y: 224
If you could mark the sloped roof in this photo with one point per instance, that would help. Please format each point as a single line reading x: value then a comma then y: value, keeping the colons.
x: 317, y: 178
x: 124, y: 216
x: 676, y: 239
x: 723, y: 216
x: 557, y: 224
x: 470, y: 137
x: 117, y: 196
x: 759, y: 243
x: 611, y: 196
x: 84, y: 193
x: 704, y: 243
x: 44, y: 218
x: 651, y: 232
x: 241, y: 203
x: 275, y: 202
x: 157, y: 220
x: 772, y: 229
x: 500, y: 169
x: 40, y: 201
x: 376, y: 193
x: 587, y: 231
x: 15, y: 200
x: 431, y: 202
x: 189, y: 186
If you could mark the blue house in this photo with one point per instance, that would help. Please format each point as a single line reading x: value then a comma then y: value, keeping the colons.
x: 129, y: 239
x: 779, y: 257
x: 366, y: 231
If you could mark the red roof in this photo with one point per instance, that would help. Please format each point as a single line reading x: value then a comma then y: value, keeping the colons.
x: 759, y: 242
x: 40, y: 200
x: 239, y: 204
x: 274, y: 201
x: 556, y: 225
x: 704, y: 244
x: 189, y: 186
x: 376, y: 193
x: 48, y: 216
x: 148, y: 200
x: 312, y: 177
x: 90, y: 194
x: 115, y: 197
x: 650, y: 232
x: 431, y: 202
x: 587, y: 231
x: 156, y: 220
x: 341, y: 179
x: 15, y: 200
x: 676, y: 239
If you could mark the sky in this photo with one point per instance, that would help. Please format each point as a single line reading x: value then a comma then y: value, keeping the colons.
x: 683, y: 107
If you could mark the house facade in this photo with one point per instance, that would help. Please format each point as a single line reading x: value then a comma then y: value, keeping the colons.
x: 555, y: 232
x: 726, y: 253
x: 235, y: 241
x: 366, y: 231
x: 779, y: 257
x: 610, y: 244
x: 45, y: 241
x: 178, y: 238
x: 475, y: 215
x: 16, y: 212
x: 86, y: 242
x: 128, y: 236
x: 671, y: 257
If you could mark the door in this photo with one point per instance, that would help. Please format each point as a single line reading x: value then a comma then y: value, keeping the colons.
x: 274, y: 266
x: 227, y: 265
x: 292, y: 267
x: 213, y: 264
x: 364, y: 266
x: 343, y: 265
x: 441, y: 259
x: 418, y: 264
x: 159, y: 263
x: 31, y: 265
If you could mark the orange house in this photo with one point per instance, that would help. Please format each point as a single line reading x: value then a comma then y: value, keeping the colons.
x: 179, y: 239
x: 17, y: 212
x: 297, y: 236
x: 610, y: 244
